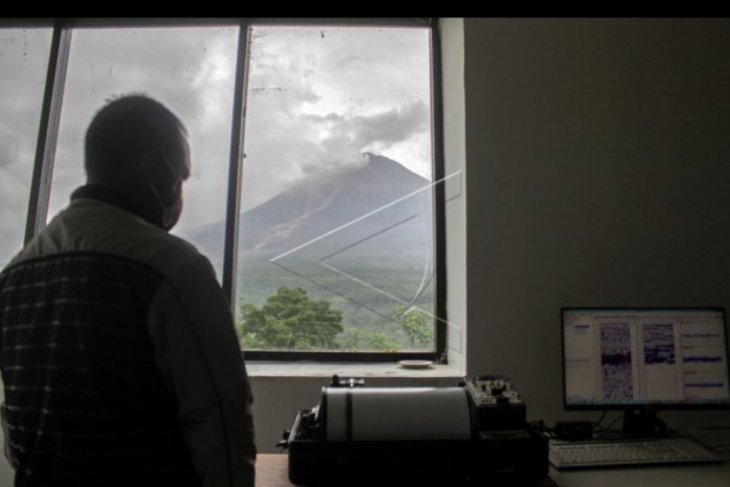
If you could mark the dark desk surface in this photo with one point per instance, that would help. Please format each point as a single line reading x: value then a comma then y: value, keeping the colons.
x: 673, y: 476
x: 271, y: 471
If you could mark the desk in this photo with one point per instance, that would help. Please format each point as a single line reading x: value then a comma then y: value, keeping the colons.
x: 676, y: 476
x: 271, y: 471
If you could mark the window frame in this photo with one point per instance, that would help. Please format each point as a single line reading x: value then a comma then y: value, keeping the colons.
x: 49, y: 126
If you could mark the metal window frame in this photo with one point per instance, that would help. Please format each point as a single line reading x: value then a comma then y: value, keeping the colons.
x: 40, y: 186
x: 48, y: 133
x: 439, y: 352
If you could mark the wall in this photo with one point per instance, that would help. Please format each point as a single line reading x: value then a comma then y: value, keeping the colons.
x: 454, y: 114
x: 596, y: 166
x: 598, y: 170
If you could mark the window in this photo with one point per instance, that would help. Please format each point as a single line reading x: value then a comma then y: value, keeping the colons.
x: 336, y: 247
x: 315, y: 183
x: 23, y: 62
x: 188, y: 69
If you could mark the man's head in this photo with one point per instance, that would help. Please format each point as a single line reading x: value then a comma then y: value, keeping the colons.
x: 137, y: 146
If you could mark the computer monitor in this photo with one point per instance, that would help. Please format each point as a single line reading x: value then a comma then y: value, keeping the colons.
x: 645, y: 359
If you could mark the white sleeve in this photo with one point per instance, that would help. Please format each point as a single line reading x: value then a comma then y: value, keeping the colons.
x: 201, y: 363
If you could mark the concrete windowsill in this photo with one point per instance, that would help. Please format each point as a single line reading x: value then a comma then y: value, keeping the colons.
x: 373, y: 370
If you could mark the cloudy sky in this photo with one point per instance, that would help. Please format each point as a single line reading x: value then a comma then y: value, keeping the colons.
x: 23, y: 58
x: 333, y: 94
x: 317, y: 99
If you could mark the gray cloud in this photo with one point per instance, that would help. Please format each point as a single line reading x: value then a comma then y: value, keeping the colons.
x: 304, y: 151
x: 321, y: 97
x: 394, y: 125
x: 315, y: 101
x: 8, y: 150
x: 190, y: 70
x: 23, y: 56
x: 375, y: 132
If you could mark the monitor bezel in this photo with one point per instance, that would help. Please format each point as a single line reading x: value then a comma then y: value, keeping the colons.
x: 641, y: 405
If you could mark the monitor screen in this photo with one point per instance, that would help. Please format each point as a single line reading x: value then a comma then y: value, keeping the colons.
x: 622, y: 358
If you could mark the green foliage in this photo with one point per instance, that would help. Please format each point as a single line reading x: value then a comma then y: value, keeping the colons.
x: 290, y: 320
x: 357, y: 340
x: 387, y: 329
x: 417, y: 325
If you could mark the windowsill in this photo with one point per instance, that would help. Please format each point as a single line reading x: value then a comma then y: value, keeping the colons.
x: 257, y: 368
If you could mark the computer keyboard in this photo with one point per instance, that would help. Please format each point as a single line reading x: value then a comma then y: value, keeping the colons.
x: 583, y: 454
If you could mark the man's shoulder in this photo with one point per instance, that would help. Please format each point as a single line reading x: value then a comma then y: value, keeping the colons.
x: 91, y: 226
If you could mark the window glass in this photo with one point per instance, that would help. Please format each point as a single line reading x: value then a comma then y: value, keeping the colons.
x: 336, y: 247
x: 23, y: 64
x: 190, y: 70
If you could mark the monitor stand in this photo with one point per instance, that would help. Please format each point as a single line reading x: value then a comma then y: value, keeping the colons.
x: 643, y: 422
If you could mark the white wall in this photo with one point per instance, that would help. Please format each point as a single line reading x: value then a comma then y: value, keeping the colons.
x: 454, y: 127
x: 598, y: 162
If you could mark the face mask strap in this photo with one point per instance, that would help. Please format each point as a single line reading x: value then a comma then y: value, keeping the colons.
x: 169, y: 212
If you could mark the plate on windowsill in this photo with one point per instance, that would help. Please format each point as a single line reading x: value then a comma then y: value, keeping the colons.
x: 415, y: 364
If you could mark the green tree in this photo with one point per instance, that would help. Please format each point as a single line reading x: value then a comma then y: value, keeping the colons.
x: 357, y: 340
x: 291, y: 320
x: 416, y: 324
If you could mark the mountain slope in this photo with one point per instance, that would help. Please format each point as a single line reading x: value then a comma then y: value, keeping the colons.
x: 327, y: 201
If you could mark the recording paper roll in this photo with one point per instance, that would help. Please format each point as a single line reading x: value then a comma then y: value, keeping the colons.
x: 396, y: 413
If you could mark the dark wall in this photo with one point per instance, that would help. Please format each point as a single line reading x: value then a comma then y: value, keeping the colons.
x: 597, y: 173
